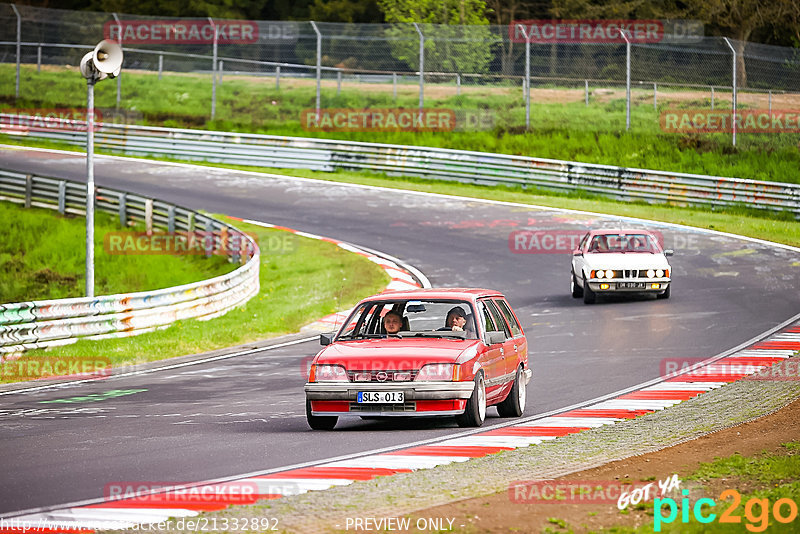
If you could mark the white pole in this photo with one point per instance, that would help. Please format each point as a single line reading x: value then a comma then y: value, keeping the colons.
x: 90, y: 187
x: 421, y: 67
x: 627, y: 80
x: 19, y: 48
x: 119, y: 78
x: 527, y: 83
x: 733, y: 97
x: 214, y: 71
x: 319, y: 64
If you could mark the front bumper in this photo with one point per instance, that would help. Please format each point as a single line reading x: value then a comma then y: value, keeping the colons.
x: 414, y: 391
x: 421, y: 398
x: 622, y: 285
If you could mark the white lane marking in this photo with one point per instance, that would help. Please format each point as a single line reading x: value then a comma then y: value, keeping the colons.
x: 571, y: 422
x: 760, y: 353
x: 396, y: 461
x: 786, y: 336
x: 495, y: 441
x: 684, y: 386
x: 635, y: 404
x: 295, y: 486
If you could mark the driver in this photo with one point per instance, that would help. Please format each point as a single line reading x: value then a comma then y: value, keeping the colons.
x: 392, y: 322
x: 456, y: 320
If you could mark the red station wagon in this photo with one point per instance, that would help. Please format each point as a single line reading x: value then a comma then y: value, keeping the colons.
x: 420, y: 353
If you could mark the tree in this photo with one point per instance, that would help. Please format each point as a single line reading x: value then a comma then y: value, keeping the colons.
x: 504, y: 13
x: 457, y: 34
x: 740, y: 18
x: 346, y: 11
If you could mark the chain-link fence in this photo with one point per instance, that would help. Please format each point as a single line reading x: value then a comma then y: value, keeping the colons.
x: 487, y: 75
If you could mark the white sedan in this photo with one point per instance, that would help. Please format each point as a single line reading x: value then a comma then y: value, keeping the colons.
x: 619, y: 261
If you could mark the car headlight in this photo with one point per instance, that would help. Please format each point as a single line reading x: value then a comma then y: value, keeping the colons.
x: 598, y: 274
x: 438, y: 371
x: 327, y: 373
x: 659, y: 273
x: 651, y: 273
x: 609, y: 274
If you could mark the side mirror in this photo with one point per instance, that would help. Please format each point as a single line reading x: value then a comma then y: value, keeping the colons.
x: 494, y: 337
x: 577, y: 252
x: 669, y: 252
x: 326, y: 338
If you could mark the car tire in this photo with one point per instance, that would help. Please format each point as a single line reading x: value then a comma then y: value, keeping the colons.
x: 665, y: 294
x: 319, y: 422
x: 475, y: 413
x: 514, y: 404
x: 577, y: 291
x: 589, y: 296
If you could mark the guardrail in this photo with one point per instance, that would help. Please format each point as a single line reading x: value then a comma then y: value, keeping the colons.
x: 48, y: 323
x: 620, y: 183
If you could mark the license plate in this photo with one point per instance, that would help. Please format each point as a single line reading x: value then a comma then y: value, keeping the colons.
x: 381, y: 397
x: 631, y: 285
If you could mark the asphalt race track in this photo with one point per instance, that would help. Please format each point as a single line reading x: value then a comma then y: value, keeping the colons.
x: 246, y: 414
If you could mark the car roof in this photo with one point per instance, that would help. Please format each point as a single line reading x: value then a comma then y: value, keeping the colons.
x: 617, y: 231
x: 454, y: 293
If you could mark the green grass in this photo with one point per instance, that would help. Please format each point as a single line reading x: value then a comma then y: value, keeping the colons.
x: 768, y: 477
x: 301, y: 280
x: 568, y: 131
x: 42, y: 256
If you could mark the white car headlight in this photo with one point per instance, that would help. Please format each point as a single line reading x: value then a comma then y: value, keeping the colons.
x: 437, y: 371
x: 651, y: 273
x: 659, y: 273
x: 609, y: 274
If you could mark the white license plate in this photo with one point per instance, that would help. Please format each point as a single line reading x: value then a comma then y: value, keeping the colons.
x: 632, y: 285
x: 381, y: 397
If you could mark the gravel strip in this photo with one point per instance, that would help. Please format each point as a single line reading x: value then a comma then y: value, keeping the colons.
x: 327, y: 511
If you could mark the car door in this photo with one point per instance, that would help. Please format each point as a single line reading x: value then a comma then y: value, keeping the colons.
x: 578, y: 260
x: 517, y: 346
x: 509, y: 345
x: 493, y: 359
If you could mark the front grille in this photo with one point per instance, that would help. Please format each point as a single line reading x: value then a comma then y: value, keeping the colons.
x: 405, y: 407
x: 374, y: 375
x: 631, y: 273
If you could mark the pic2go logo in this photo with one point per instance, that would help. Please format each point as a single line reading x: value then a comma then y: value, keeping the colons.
x: 756, y: 511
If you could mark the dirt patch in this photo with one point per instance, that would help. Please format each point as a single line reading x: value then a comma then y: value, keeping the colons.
x: 496, y: 513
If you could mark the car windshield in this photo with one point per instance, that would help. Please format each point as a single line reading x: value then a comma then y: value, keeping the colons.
x: 447, y: 319
x: 623, y: 243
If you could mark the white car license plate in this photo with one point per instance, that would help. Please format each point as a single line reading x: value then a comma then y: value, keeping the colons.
x: 381, y: 397
x: 631, y: 285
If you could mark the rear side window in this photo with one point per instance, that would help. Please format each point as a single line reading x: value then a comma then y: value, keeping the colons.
x: 512, y: 321
x: 498, y: 319
x: 487, y: 317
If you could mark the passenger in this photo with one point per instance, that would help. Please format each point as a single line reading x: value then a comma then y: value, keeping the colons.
x: 392, y: 322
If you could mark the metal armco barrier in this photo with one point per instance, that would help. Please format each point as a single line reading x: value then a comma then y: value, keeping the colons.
x: 436, y: 163
x: 48, y: 323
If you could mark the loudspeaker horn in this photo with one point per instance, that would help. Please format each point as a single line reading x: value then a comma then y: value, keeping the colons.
x: 108, y: 58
